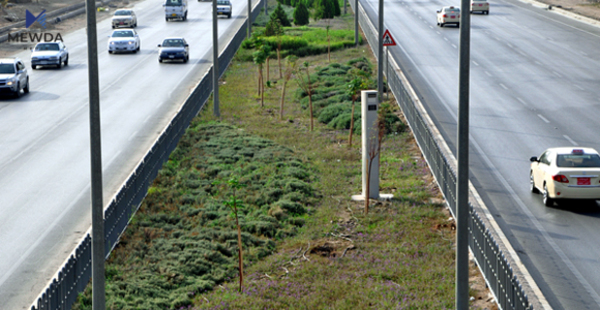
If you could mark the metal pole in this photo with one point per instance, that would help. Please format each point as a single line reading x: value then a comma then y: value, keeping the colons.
x: 462, y: 186
x: 215, y: 61
x: 345, y: 5
x: 249, y: 18
x: 356, y: 23
x: 387, y: 72
x: 98, y: 298
x: 266, y: 8
x: 380, y: 54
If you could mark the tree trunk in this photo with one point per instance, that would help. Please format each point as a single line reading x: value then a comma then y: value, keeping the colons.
x: 279, y: 60
x: 259, y: 80
x: 310, y: 106
x: 240, y: 255
x: 282, y: 99
x: 268, y: 60
x: 262, y: 87
x: 351, y: 122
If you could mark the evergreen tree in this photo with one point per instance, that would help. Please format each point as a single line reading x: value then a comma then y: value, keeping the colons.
x: 324, y: 9
x: 336, y: 7
x: 273, y: 27
x: 301, y: 16
x: 279, y: 13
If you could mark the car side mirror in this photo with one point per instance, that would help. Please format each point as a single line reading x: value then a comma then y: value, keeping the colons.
x: 31, y: 49
x: 533, y: 158
x: 437, y: 11
x: 186, y: 45
x: 159, y: 45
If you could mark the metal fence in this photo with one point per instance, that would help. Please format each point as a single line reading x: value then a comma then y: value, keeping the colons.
x: 75, y: 274
x: 494, y: 265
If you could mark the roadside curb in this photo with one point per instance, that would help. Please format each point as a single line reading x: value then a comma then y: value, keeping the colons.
x: 563, y: 12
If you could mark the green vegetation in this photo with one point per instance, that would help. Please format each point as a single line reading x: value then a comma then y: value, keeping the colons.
x: 306, y: 244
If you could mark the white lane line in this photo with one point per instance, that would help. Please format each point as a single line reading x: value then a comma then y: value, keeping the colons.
x: 538, y: 63
x: 583, y: 53
x: 522, y: 101
x: 475, y: 63
x: 488, y: 73
x: 497, y: 39
x: 522, y: 54
x: 445, y: 39
x: 453, y: 45
x: 133, y: 135
x: 556, y: 73
x: 113, y: 158
x: 581, y: 88
x: 437, y: 32
x: 570, y: 140
x: 146, y: 119
x: 503, y: 86
x: 430, y: 26
x: 543, y: 118
x: 510, y: 45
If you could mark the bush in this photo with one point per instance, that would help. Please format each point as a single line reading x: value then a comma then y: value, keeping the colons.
x: 332, y: 111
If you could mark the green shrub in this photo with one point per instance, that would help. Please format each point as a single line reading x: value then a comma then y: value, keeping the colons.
x: 330, y: 112
x: 301, y: 15
x: 279, y: 14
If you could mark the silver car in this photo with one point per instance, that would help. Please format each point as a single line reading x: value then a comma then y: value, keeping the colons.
x: 124, y: 40
x: 124, y: 18
x: 13, y: 76
x: 49, y: 54
x: 174, y: 48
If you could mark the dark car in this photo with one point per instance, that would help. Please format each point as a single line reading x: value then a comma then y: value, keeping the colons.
x: 175, y: 48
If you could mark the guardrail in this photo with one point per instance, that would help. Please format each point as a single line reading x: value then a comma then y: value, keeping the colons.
x: 76, y: 272
x: 504, y: 282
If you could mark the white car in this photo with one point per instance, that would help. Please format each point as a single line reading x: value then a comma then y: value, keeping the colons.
x: 124, y: 18
x: 566, y: 173
x: 481, y: 6
x: 13, y: 76
x: 49, y: 54
x: 448, y: 15
x: 224, y: 8
x: 124, y: 40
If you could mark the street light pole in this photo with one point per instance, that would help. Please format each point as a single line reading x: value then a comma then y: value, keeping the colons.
x: 215, y: 61
x: 462, y: 186
x: 98, y: 293
x: 380, y: 54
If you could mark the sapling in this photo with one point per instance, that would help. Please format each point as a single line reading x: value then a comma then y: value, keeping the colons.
x: 235, y: 204
x: 374, y: 148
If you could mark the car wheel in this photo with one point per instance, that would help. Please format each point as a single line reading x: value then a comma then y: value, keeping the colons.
x: 185, y: 16
x: 135, y: 25
x: 113, y: 26
x: 26, y: 88
x: 229, y: 16
x: 441, y: 24
x: 532, y: 187
x: 60, y: 64
x: 166, y: 18
x: 185, y: 59
x: 457, y: 25
x: 67, y: 61
x: 159, y: 59
x: 548, y: 202
x: 110, y: 52
x: 33, y: 67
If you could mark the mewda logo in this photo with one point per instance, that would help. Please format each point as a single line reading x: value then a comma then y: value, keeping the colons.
x: 30, y: 19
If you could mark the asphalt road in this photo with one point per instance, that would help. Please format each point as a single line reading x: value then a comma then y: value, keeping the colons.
x: 44, y: 138
x: 534, y: 85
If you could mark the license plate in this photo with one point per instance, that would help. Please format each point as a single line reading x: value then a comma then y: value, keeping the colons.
x: 122, y: 23
x: 43, y: 62
x: 173, y: 14
x: 583, y: 181
x: 171, y: 56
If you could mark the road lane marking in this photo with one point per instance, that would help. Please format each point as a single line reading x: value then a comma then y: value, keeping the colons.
x: 522, y: 101
x: 133, y: 135
x: 475, y: 63
x: 503, y: 86
x: 570, y: 140
x: 543, y: 118
x: 488, y: 73
x: 556, y: 73
x: 539, y: 63
x: 453, y: 45
x: 581, y: 88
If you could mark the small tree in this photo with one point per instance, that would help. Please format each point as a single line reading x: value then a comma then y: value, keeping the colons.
x: 280, y: 14
x: 291, y: 65
x: 301, y: 15
x: 306, y: 85
x: 374, y: 149
x: 336, y: 8
x: 356, y: 85
x: 259, y: 58
x: 324, y: 9
x: 235, y: 204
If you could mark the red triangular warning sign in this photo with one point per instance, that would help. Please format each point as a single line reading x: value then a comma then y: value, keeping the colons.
x: 387, y: 39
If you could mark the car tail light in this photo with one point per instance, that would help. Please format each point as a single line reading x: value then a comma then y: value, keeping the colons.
x: 444, y: 16
x: 560, y: 178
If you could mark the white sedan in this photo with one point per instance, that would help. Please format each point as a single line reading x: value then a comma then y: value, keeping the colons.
x: 566, y: 173
x: 124, y: 40
x: 448, y: 15
x: 480, y: 6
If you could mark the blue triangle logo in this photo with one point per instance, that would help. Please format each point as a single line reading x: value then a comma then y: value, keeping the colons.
x: 30, y: 19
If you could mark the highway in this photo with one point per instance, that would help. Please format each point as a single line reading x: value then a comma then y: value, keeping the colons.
x: 534, y: 85
x: 44, y: 138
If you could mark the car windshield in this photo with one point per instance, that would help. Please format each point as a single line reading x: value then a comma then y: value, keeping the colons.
x: 578, y: 161
x: 122, y: 34
x: 173, y: 3
x: 221, y: 2
x: 7, y: 68
x: 47, y: 47
x: 172, y: 42
x: 452, y: 11
x: 122, y: 12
